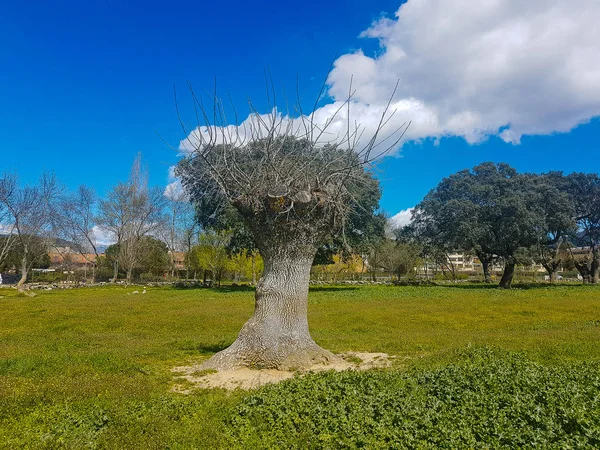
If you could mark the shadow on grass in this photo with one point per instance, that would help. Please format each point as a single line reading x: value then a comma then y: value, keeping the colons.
x: 519, y: 286
x: 333, y: 288
x: 211, y: 349
x: 213, y: 288
x: 230, y: 288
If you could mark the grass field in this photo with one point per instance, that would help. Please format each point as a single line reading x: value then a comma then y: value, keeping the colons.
x: 90, y: 368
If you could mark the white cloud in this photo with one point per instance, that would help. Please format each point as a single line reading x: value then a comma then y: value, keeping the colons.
x: 491, y: 67
x: 401, y: 219
x: 465, y: 68
x: 331, y: 122
x: 6, y: 229
x: 174, y: 190
x: 103, y: 237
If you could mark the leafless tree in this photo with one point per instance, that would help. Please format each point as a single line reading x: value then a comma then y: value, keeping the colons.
x: 131, y: 211
x: 76, y: 222
x: 293, y: 181
x: 7, y: 226
x: 180, y: 226
x: 30, y: 212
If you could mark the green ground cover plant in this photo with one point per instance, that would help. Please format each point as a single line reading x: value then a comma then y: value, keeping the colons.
x: 488, y: 399
x: 90, y: 368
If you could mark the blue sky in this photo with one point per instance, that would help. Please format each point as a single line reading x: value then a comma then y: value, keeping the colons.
x: 84, y: 86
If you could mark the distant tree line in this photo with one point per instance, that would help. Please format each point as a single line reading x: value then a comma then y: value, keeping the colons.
x: 155, y: 232
x: 491, y: 211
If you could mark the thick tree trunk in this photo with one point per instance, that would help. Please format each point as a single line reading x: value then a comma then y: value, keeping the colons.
x: 507, y: 275
x: 277, y: 336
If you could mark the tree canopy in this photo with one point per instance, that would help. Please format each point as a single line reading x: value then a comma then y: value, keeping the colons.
x: 493, y: 211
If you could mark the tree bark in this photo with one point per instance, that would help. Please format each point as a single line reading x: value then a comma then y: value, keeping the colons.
x: 485, y: 264
x: 277, y: 336
x: 551, y: 269
x: 253, y: 267
x: 595, y: 272
x: 485, y: 259
x: 507, y: 275
x: 24, y: 271
x: 115, y: 271
x: 585, y: 270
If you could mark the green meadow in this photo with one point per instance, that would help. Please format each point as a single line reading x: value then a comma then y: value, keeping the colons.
x: 475, y: 367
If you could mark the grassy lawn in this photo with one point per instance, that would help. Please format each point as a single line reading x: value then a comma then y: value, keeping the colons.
x: 89, y: 368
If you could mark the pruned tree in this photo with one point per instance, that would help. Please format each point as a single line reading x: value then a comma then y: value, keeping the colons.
x: 293, y: 182
x: 30, y: 212
x: 131, y: 211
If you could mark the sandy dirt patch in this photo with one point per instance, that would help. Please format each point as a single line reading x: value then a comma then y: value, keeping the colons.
x: 195, y: 378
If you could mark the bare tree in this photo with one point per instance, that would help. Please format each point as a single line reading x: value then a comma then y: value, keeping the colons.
x: 7, y: 226
x: 30, y: 212
x: 130, y: 212
x: 180, y: 226
x: 294, y: 182
x: 396, y: 258
x: 76, y: 222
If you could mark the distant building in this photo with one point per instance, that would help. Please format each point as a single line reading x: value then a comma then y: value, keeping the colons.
x: 60, y: 256
x: 178, y: 259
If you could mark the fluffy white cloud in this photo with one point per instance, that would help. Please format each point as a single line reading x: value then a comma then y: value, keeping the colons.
x: 473, y: 69
x: 470, y: 69
x: 401, y: 219
x: 174, y: 190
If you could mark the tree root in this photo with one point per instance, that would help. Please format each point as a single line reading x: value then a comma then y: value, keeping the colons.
x: 288, y: 359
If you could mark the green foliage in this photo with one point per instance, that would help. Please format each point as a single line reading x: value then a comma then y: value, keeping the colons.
x: 488, y: 399
x: 584, y: 191
x: 155, y: 256
x: 48, y: 277
x: 493, y: 210
x: 153, y: 260
x: 90, y: 368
